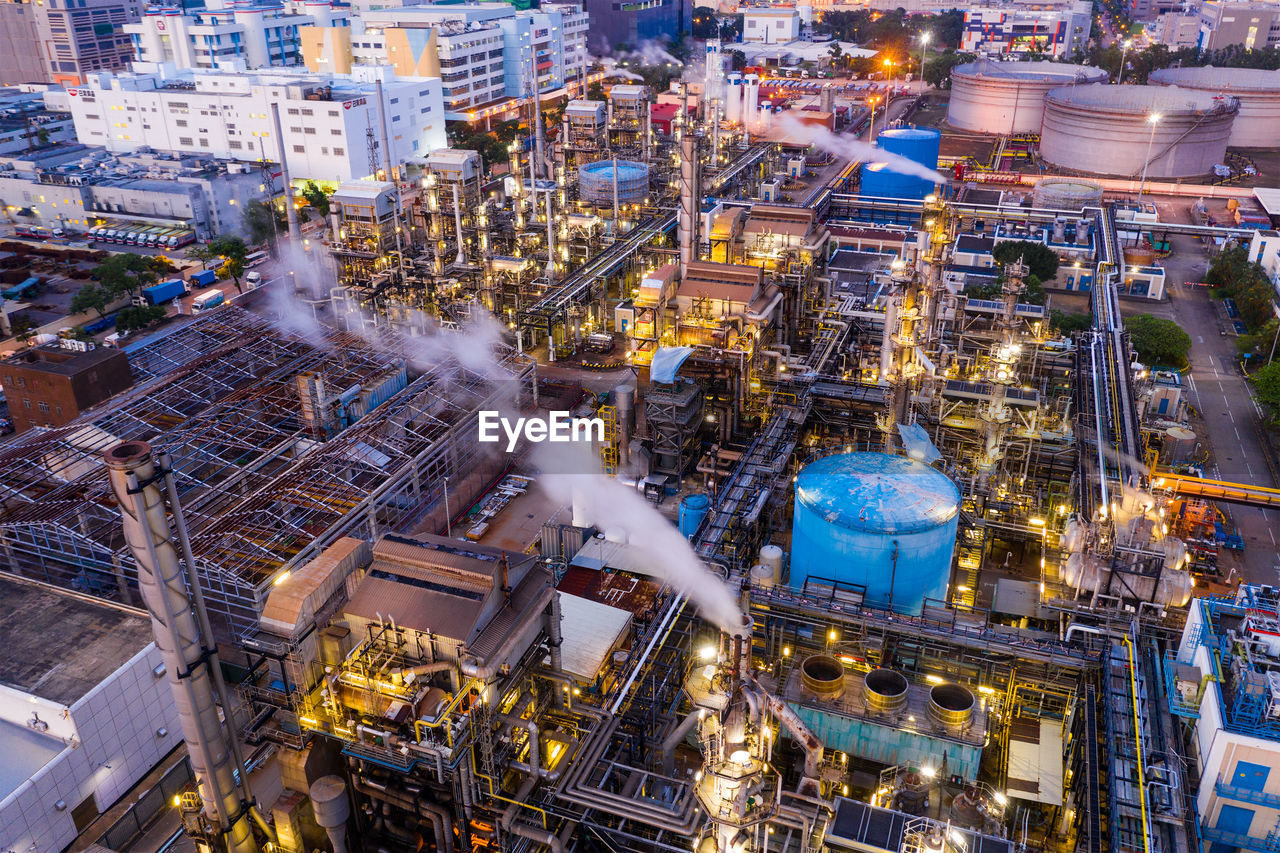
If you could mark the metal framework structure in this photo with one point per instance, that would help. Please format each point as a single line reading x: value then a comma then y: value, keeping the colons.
x: 261, y: 495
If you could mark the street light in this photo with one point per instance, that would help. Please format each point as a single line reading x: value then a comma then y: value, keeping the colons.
x: 1123, y: 52
x: 1153, y: 119
x: 871, y: 128
x: 924, y: 41
x: 888, y: 64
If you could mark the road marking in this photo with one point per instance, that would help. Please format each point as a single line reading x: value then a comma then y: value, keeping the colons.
x: 1272, y: 535
x: 1237, y: 432
x: 1200, y: 338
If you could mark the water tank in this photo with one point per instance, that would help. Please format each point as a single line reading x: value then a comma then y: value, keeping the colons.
x: 822, y: 677
x: 885, y: 691
x: 920, y: 144
x: 693, y: 508
x: 595, y: 182
x: 1188, y: 140
x: 1008, y: 97
x: 884, y: 523
x: 1257, y: 90
x: 951, y: 706
x: 1179, y: 444
x: 733, y: 98
x: 762, y: 576
x: 771, y: 556
x: 1066, y: 194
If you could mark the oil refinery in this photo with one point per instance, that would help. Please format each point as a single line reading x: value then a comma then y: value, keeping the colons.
x: 868, y: 555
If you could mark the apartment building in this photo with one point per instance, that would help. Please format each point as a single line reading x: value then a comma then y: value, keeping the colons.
x: 63, y: 40
x: 329, y: 123
x: 231, y: 37
x: 484, y: 53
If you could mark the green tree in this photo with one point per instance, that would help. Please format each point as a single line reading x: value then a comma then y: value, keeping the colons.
x: 937, y: 71
x: 263, y: 222
x: 317, y: 198
x: 705, y: 25
x: 138, y: 317
x: 203, y: 253
x: 232, y: 250
x: 127, y: 273
x: 1266, y: 389
x: 1041, y: 261
x: 1157, y: 340
x: 1066, y: 322
x: 91, y: 296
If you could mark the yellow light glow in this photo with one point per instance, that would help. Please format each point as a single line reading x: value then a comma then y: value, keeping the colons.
x: 284, y: 577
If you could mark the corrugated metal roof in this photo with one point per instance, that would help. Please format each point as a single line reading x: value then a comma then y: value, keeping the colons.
x: 591, y: 632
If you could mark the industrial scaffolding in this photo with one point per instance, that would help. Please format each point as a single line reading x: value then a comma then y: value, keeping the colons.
x: 261, y: 494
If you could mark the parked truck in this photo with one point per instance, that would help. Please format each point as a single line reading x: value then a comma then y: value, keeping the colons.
x: 158, y: 294
x: 204, y: 278
x: 205, y: 301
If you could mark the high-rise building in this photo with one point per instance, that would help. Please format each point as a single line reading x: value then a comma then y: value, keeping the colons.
x: 231, y: 37
x: 331, y: 124
x: 621, y: 23
x: 483, y: 53
x: 68, y: 38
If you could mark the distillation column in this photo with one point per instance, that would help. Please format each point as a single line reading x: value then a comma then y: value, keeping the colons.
x: 687, y: 223
x: 184, y: 640
x: 995, y: 414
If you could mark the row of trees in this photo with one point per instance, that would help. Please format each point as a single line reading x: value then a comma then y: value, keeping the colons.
x: 1232, y: 275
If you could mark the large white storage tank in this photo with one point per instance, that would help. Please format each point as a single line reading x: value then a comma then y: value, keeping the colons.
x: 1257, y: 90
x: 1008, y: 97
x: 1105, y: 130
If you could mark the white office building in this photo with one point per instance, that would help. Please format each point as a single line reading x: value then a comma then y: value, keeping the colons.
x: 231, y: 37
x: 769, y: 25
x: 328, y: 122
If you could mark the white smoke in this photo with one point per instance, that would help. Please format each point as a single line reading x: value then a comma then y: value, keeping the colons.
x: 609, y: 505
x: 652, y: 52
x: 847, y: 146
x: 612, y: 69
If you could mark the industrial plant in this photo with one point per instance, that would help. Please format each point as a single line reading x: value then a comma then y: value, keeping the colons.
x: 867, y: 554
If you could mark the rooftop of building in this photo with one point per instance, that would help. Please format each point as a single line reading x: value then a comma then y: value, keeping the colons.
x: 54, y: 358
x: 59, y: 645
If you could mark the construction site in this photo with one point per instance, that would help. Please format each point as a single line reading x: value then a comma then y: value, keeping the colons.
x: 863, y: 560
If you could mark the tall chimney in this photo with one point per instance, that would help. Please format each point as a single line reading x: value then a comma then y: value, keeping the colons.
x: 184, y: 639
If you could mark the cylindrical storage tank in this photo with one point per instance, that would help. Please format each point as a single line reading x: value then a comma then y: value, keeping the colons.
x: 762, y: 576
x: 920, y: 144
x: 1258, y: 91
x: 1066, y: 194
x: 1008, y: 97
x: 1179, y: 444
x: 771, y: 556
x: 951, y: 706
x: 827, y: 99
x: 822, y: 677
x: 1188, y: 140
x: 596, y: 183
x: 885, y: 691
x: 733, y: 97
x: 881, y: 522
x: 693, y: 508
x: 750, y: 97
x: 332, y: 809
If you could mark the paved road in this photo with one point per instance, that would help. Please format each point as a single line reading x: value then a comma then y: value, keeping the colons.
x: 1219, y: 392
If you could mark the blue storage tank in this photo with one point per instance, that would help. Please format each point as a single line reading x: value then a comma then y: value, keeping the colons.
x: 886, y: 523
x: 693, y: 508
x: 920, y: 144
